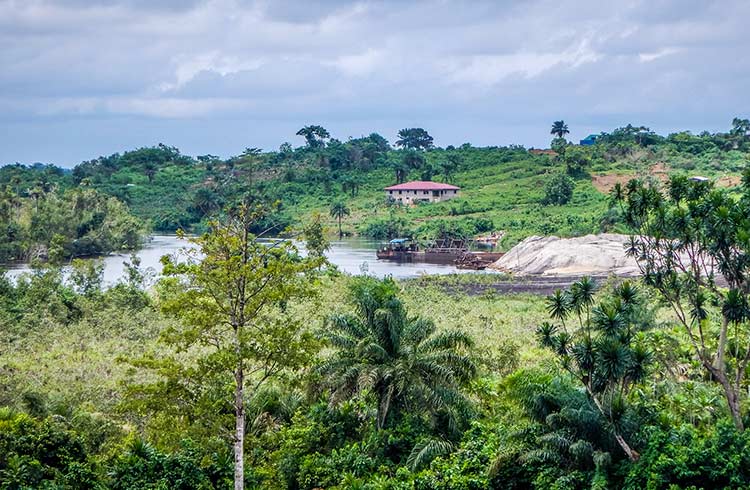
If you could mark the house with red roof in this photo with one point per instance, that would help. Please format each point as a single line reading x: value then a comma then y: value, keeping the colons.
x: 421, y: 191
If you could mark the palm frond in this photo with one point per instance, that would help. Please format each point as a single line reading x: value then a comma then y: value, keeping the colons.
x: 451, y: 339
x: 427, y: 450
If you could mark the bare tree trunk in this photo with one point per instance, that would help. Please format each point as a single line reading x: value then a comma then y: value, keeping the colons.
x: 383, y: 407
x: 239, y: 412
x: 719, y: 361
x: 732, y: 396
x: 632, y: 453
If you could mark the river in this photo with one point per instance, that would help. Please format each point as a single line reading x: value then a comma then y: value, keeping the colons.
x: 352, y: 255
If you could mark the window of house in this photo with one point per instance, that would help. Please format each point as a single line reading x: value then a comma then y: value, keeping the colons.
x: 426, y: 192
x: 399, y: 193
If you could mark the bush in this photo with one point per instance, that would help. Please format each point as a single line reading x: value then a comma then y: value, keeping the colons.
x: 35, y: 453
x: 689, y: 458
x: 559, y: 190
x: 387, y: 228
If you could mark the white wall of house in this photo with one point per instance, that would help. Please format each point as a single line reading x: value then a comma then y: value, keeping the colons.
x: 410, y: 197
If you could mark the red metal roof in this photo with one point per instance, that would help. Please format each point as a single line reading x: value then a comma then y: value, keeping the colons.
x: 421, y: 185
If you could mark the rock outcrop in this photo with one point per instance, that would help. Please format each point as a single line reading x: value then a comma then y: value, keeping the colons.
x: 587, y: 255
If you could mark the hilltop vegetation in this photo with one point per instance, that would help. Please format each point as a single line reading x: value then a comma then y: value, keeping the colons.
x: 503, y: 188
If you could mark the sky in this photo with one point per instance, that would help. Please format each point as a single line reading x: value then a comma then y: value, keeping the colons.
x: 83, y: 78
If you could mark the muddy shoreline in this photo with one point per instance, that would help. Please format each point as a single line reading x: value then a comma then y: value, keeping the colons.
x: 532, y: 284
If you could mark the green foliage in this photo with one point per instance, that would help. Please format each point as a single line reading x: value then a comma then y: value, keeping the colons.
x: 402, y: 362
x: 559, y: 190
x: 414, y: 138
x: 685, y: 239
x: 577, y: 160
x: 57, y: 226
x: 686, y: 457
x: 141, y: 466
x: 605, y: 354
x: 42, y: 454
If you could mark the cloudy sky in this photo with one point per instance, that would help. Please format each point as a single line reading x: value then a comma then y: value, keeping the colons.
x: 81, y: 78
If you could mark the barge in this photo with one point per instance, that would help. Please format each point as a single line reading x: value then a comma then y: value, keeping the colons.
x: 450, y: 251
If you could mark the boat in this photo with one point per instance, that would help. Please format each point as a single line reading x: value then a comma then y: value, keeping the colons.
x: 408, y: 250
x: 398, y: 249
x: 447, y: 251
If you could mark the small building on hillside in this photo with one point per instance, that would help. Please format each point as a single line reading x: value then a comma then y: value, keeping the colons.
x: 421, y: 191
x: 589, y: 140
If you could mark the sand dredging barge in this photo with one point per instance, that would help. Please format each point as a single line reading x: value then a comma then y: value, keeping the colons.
x: 460, y: 252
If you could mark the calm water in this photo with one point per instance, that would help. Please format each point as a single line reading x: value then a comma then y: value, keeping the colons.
x: 353, y: 256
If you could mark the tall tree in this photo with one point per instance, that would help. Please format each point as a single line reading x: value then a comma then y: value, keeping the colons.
x: 149, y: 170
x: 414, y: 138
x: 314, y: 135
x: 339, y: 211
x: 559, y: 129
x: 685, y: 239
x: 740, y: 128
x: 602, y: 353
x: 400, y: 169
x: 350, y: 184
x: 450, y: 166
x: 403, y: 361
x: 413, y: 159
x: 231, y: 293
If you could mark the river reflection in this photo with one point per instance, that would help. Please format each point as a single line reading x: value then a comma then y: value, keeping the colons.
x: 353, y: 256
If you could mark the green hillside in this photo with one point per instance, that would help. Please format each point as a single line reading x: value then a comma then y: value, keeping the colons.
x: 502, y: 188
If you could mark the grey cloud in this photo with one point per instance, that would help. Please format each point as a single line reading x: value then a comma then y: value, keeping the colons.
x: 487, y: 72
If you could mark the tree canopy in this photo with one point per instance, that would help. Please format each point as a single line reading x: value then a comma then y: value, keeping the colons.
x: 414, y: 138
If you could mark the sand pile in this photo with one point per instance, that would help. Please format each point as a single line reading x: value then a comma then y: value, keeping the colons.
x: 588, y: 255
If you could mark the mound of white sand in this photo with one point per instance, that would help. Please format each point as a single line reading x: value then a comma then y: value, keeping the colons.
x: 588, y: 255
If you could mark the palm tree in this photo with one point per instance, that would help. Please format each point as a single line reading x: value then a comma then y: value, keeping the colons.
x: 559, y: 305
x: 603, y: 354
x: 338, y: 211
x: 559, y: 129
x: 401, y: 360
x: 582, y: 296
x: 400, y: 170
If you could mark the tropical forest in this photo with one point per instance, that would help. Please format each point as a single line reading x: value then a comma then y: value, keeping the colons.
x: 247, y: 357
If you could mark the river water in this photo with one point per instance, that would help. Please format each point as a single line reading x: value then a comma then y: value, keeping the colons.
x: 353, y: 256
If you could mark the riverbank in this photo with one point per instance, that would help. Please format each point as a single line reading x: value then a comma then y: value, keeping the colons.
x: 352, y: 256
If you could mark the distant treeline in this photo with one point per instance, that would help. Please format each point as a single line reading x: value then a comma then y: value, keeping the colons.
x: 171, y: 191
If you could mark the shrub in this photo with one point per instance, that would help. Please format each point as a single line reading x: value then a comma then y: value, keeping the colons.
x: 559, y: 190
x: 689, y: 458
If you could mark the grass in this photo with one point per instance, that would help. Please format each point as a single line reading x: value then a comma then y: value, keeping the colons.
x: 507, y: 193
x: 80, y: 364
